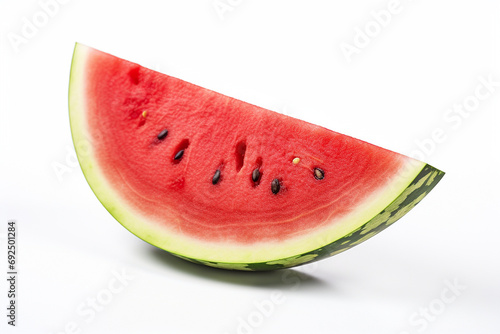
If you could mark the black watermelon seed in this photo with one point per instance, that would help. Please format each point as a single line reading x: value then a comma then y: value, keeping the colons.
x: 179, y: 155
x: 319, y: 174
x: 275, y: 186
x: 255, y: 175
x: 162, y: 134
x: 216, y: 177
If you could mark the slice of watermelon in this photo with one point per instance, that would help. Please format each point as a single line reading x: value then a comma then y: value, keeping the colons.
x: 225, y: 183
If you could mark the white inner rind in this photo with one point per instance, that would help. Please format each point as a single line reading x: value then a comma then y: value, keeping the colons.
x: 159, y: 234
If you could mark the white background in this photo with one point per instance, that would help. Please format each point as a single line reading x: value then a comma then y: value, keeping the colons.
x: 284, y: 55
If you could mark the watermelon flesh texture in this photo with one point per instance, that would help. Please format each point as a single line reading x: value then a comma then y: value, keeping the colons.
x: 221, y: 182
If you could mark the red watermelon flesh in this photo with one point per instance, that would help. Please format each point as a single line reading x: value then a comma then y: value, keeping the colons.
x: 176, y: 164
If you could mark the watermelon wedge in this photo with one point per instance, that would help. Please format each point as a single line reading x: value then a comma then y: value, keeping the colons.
x: 224, y: 183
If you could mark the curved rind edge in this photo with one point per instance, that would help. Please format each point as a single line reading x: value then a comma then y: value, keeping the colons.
x: 423, y: 183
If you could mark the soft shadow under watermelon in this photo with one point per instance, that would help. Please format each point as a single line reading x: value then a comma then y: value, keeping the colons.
x: 285, y: 278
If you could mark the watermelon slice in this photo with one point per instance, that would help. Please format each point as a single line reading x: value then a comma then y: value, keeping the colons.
x: 224, y: 183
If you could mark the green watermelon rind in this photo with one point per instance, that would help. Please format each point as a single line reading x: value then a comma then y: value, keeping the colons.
x: 423, y: 183
x: 402, y: 194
